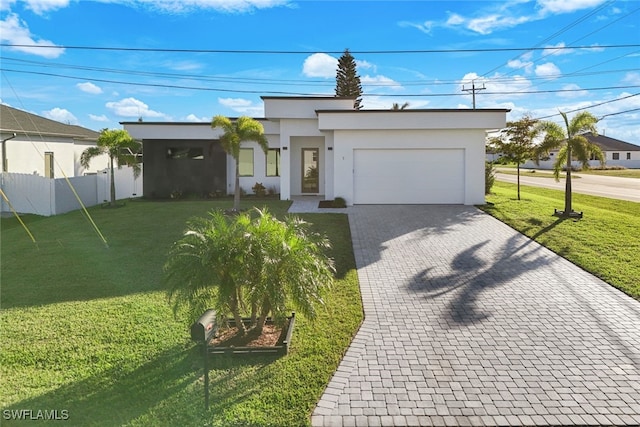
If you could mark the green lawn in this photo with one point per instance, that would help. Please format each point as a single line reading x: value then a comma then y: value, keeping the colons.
x: 624, y: 173
x: 605, y: 242
x: 88, y: 329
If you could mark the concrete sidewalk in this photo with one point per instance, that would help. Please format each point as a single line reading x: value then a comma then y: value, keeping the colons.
x: 468, y: 322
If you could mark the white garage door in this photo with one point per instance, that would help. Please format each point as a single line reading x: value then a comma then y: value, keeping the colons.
x: 408, y: 176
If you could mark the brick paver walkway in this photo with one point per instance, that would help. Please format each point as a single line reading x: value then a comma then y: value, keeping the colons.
x: 470, y: 323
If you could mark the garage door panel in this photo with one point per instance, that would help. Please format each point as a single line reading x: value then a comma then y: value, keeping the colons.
x: 409, y: 176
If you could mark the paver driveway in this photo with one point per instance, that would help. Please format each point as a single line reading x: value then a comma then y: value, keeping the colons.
x: 470, y: 323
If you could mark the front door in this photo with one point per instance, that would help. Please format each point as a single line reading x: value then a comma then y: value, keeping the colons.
x: 310, y: 170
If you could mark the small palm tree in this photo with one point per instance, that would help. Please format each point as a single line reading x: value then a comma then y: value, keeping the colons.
x: 239, y: 264
x: 120, y: 147
x: 206, y: 267
x: 235, y: 133
x: 573, y: 145
x: 292, y: 267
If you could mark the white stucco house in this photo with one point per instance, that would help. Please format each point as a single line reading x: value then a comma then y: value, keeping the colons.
x: 321, y: 146
x: 616, y: 153
x: 35, y: 145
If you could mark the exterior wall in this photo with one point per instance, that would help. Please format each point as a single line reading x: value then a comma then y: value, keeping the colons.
x: 290, y: 130
x: 259, y: 169
x: 411, y: 119
x: 297, y: 144
x: 471, y: 141
x: 27, y: 156
x: 302, y: 108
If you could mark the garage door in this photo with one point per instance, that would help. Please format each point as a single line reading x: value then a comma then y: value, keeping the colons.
x: 408, y: 176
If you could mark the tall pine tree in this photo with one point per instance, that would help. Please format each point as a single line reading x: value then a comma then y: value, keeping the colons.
x: 347, y: 80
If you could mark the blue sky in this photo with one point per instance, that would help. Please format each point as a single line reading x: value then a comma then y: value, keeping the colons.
x: 188, y: 60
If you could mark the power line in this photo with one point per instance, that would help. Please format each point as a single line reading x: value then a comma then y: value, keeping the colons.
x: 171, y: 86
x: 309, y: 52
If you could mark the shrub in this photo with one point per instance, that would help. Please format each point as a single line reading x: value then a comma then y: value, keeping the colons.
x: 489, y: 177
x: 259, y: 190
x: 339, y: 202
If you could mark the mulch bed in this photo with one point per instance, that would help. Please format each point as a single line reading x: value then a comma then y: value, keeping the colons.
x: 229, y: 337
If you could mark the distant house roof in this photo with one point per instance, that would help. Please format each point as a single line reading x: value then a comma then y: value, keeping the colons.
x: 610, y: 144
x: 23, y: 123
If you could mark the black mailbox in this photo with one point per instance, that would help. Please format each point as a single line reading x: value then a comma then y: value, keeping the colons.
x: 205, y: 327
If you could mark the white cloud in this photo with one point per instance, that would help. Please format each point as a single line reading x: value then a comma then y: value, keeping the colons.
x: 16, y: 32
x: 490, y: 23
x: 61, y: 115
x: 89, y: 87
x: 365, y: 65
x: 386, y: 103
x: 101, y: 118
x: 131, y: 107
x: 632, y: 78
x: 500, y: 89
x: 320, y: 65
x: 425, y: 27
x: 455, y: 19
x: 558, y: 49
x: 548, y: 69
x: 195, y: 119
x: 243, y: 106
x: 184, y: 65
x: 225, y: 6
x: 518, y: 64
x: 575, y: 91
x: 380, y: 81
x: 566, y: 6
x: 40, y: 7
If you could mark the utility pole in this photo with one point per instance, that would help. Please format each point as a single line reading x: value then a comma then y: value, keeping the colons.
x: 473, y: 90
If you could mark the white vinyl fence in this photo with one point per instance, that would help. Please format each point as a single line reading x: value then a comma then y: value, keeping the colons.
x: 45, y: 196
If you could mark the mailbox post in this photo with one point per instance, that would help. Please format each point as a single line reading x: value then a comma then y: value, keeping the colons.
x: 202, y: 331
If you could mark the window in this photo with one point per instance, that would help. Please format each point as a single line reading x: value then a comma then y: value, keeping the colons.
x: 615, y: 156
x: 273, y: 162
x: 48, y: 164
x: 193, y: 153
x: 628, y: 156
x: 246, y: 162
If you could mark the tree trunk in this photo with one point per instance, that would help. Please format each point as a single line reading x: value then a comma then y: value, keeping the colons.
x: 567, y: 189
x: 235, y: 309
x: 266, y: 308
x: 113, y: 184
x: 236, y: 194
x: 518, y: 181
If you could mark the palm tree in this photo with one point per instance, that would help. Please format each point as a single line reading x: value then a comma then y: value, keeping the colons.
x: 397, y: 107
x: 206, y: 267
x: 573, y: 145
x: 235, y: 133
x: 292, y: 267
x: 120, y: 147
x: 240, y: 263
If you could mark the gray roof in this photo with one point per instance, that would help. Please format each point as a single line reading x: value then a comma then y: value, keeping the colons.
x: 610, y: 144
x: 23, y: 123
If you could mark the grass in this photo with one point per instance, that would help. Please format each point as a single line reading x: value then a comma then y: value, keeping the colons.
x: 623, y: 173
x: 535, y: 173
x: 606, y: 242
x: 88, y: 329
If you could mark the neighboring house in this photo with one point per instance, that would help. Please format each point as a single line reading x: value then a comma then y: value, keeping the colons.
x: 321, y: 146
x: 616, y: 153
x: 44, y: 147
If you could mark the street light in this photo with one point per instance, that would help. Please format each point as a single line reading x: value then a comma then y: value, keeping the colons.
x: 4, y: 152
